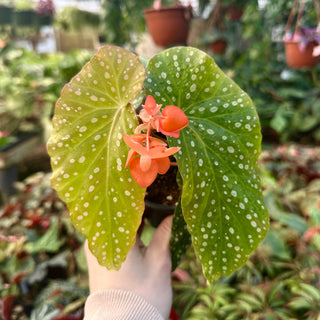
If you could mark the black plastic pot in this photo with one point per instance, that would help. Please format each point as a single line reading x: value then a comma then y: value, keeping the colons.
x: 156, y: 212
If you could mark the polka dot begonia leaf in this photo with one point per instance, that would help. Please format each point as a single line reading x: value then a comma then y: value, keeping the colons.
x: 181, y: 239
x: 221, y: 200
x: 88, y: 154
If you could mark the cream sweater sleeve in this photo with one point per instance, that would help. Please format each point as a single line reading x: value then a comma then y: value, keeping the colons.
x: 119, y: 305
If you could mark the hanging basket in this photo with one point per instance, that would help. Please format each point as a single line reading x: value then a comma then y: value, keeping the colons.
x: 168, y: 25
x: 300, y: 58
x: 299, y: 53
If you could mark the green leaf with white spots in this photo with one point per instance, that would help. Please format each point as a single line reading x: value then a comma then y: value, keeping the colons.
x: 88, y: 153
x: 221, y: 198
x: 180, y: 237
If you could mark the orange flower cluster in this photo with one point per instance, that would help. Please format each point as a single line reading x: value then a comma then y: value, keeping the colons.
x: 149, y: 156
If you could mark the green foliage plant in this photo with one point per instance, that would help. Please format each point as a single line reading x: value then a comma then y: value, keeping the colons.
x: 123, y: 20
x: 286, y: 100
x: 221, y: 206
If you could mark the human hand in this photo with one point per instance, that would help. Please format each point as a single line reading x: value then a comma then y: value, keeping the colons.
x: 146, y: 271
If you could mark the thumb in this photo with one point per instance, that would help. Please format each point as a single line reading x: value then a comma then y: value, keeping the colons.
x: 161, y: 238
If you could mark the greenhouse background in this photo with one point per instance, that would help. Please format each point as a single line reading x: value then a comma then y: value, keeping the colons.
x: 43, y: 270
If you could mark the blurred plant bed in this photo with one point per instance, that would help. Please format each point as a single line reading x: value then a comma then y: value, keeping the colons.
x: 30, y: 85
x: 282, y: 278
x: 43, y: 269
x: 42, y: 265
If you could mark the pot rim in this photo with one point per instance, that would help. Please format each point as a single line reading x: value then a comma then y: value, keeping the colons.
x: 163, y: 206
x: 298, y: 42
x: 167, y: 8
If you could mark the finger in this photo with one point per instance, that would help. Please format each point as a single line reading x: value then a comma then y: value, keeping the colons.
x: 89, y: 256
x: 138, y: 247
x: 161, y: 238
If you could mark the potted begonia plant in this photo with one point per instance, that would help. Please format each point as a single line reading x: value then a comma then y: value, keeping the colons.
x: 168, y: 25
x: 104, y: 155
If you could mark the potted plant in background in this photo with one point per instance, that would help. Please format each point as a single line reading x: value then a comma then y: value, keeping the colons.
x: 221, y: 206
x: 168, y: 25
x: 215, y: 35
x: 300, y: 45
x: 123, y: 22
x: 234, y: 9
x: 216, y: 41
x: 45, y: 12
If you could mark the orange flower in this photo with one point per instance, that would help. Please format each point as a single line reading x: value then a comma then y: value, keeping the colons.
x: 150, y: 109
x: 151, y: 106
x: 173, y: 119
x: 169, y: 122
x: 148, y: 157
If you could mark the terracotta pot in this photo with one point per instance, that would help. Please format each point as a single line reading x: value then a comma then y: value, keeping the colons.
x: 219, y: 46
x: 168, y: 25
x: 297, y: 58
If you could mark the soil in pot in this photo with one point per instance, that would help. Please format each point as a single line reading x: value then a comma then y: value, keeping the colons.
x: 161, y: 197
